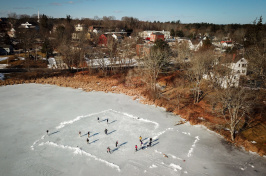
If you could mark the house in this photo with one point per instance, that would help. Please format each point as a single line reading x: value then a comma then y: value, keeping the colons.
x: 79, y: 27
x: 95, y: 29
x: 11, y: 33
x: 227, y: 43
x: 156, y: 36
x: 8, y: 48
x: 102, y: 40
x: 26, y: 25
x: 237, y: 68
x: 145, y: 34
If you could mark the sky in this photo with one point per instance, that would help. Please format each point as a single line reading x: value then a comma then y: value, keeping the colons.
x: 187, y: 11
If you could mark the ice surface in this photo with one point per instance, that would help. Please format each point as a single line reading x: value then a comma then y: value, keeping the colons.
x: 28, y: 110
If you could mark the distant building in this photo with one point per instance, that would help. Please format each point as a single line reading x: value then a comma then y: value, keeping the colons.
x: 27, y: 25
x: 156, y: 36
x: 79, y: 27
x: 102, y: 40
x: 238, y: 68
x: 145, y: 34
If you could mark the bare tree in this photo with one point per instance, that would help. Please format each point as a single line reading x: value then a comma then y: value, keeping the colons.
x: 202, y: 63
x: 112, y: 51
x: 126, y: 51
x: 236, y: 104
x: 153, y: 64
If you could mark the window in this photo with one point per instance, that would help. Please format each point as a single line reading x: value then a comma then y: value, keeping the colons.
x: 238, y: 65
x: 243, y: 65
x: 243, y: 71
x: 238, y: 71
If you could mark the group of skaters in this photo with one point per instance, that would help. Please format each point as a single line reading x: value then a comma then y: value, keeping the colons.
x: 141, y: 144
x: 116, y: 143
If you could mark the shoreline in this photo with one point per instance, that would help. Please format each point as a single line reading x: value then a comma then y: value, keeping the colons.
x: 90, y: 83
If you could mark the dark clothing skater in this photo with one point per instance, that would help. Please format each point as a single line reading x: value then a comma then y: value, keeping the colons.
x: 88, y: 140
x: 107, y: 121
x: 150, y: 142
x: 98, y: 119
x: 105, y: 131
x: 79, y: 133
x: 116, y: 143
x: 47, y: 131
x: 88, y: 134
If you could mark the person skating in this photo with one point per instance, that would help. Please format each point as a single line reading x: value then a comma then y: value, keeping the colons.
x: 136, y: 147
x: 140, y: 138
x: 105, y: 131
x: 107, y: 120
x: 47, y: 131
x: 150, y: 144
x: 108, y: 150
x: 79, y: 133
x: 88, y: 140
x: 141, y: 144
x: 88, y: 134
x: 116, y: 143
x: 98, y: 119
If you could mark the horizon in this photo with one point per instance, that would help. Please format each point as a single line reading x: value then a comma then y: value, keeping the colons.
x: 190, y: 11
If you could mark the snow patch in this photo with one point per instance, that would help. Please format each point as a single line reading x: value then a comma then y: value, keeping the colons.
x: 156, y: 151
x: 63, y: 124
x: 175, y: 167
x: 253, y: 142
x: 162, y: 132
x: 186, y: 133
x: 153, y: 166
x: 134, y: 117
x: 242, y: 168
x: 251, y: 165
x: 32, y: 147
x: 3, y: 58
x: 193, y: 146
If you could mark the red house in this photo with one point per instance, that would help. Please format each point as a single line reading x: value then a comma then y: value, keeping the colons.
x: 102, y: 40
x: 156, y: 36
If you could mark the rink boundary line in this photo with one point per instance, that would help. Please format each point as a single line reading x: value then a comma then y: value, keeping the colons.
x: 63, y: 124
x: 137, y: 118
x: 78, y: 151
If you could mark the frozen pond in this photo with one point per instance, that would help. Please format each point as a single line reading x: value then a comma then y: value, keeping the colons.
x: 28, y: 110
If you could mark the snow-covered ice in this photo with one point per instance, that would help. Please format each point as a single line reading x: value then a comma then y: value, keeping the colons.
x: 28, y: 110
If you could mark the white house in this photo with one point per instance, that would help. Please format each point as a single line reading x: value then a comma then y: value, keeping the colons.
x: 79, y: 27
x: 117, y: 36
x: 191, y: 46
x: 238, y: 68
x: 145, y: 34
